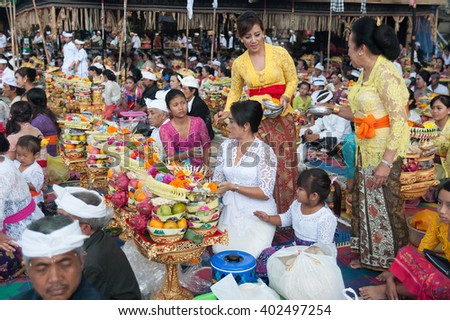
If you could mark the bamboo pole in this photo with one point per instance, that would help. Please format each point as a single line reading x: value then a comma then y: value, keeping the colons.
x: 42, y: 32
x: 187, y: 43
x: 123, y: 36
x: 214, y: 34
x: 329, y: 40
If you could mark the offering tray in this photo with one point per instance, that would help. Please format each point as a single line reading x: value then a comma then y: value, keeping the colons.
x: 171, y: 255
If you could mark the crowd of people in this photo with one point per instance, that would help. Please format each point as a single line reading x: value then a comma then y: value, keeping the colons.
x: 261, y: 173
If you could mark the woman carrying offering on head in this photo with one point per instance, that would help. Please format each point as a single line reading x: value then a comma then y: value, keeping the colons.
x: 269, y: 72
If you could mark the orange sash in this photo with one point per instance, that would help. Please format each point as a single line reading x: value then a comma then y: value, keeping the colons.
x: 366, y: 126
x: 35, y: 193
x: 52, y: 140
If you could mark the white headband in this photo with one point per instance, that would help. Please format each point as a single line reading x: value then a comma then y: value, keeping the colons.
x: 66, y: 201
x: 36, y: 244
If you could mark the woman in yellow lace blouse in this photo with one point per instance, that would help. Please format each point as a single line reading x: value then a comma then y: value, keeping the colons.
x: 268, y: 72
x: 440, y: 110
x: 377, y: 105
x: 411, y: 275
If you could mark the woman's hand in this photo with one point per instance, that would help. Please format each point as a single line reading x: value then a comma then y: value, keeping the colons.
x: 7, y: 243
x: 221, y: 116
x: 196, y: 152
x: 284, y: 101
x: 261, y: 215
x: 381, y: 174
x: 226, y: 186
x: 312, y: 137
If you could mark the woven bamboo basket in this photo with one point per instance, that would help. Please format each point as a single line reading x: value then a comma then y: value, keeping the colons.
x: 417, y: 190
x: 95, y: 109
x: 205, y: 232
x: 166, y: 239
x: 426, y: 175
x: 75, y: 155
x: 408, y: 177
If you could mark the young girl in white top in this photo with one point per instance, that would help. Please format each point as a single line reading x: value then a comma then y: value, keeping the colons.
x: 27, y: 151
x: 311, y: 218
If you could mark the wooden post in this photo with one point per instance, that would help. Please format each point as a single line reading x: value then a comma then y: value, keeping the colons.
x: 187, y: 41
x: 329, y: 40
x: 123, y: 36
x: 214, y: 35
x: 42, y: 31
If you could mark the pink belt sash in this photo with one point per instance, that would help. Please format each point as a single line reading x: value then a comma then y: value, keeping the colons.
x: 19, y: 216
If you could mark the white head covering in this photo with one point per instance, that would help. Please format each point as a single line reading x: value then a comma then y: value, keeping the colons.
x: 160, y: 65
x: 2, y: 61
x: 156, y: 104
x: 149, y: 76
x: 216, y: 63
x: 417, y: 43
x: 193, y: 59
x: 318, y: 82
x: 189, y: 81
x: 321, y: 96
x: 9, y: 78
x: 36, y: 244
x: 355, y: 73
x: 76, y: 207
x: 199, y: 65
x: 319, y: 66
x: 67, y: 35
x: 79, y: 42
x: 161, y: 94
x: 98, y: 65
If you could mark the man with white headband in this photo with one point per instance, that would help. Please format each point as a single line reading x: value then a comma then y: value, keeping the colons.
x: 158, y: 114
x: 70, y: 53
x: 150, y: 86
x: 53, y: 253
x: 106, y: 267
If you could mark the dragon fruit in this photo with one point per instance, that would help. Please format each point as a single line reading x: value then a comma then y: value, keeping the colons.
x: 122, y: 182
x: 139, y: 223
x: 145, y: 208
x: 119, y: 199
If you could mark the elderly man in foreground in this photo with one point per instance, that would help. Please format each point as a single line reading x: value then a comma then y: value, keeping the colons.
x: 106, y: 267
x: 54, y: 256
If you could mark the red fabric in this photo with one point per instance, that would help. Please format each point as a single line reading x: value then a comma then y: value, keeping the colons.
x: 419, y: 276
x: 107, y: 113
x: 279, y: 133
x: 19, y: 216
x: 275, y: 91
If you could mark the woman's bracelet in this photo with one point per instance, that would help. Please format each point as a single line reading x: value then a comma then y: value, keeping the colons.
x: 390, y: 165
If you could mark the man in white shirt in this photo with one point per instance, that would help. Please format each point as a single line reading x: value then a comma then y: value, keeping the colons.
x: 114, y: 42
x: 158, y: 114
x: 70, y: 53
x: 267, y: 39
x: 3, y: 42
x: 216, y: 66
x: 326, y: 133
x: 317, y: 73
x: 223, y: 41
x: 292, y: 38
x: 435, y: 86
x: 230, y: 40
x: 136, y: 41
x: 446, y: 55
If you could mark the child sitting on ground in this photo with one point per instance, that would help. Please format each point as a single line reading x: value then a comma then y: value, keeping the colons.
x: 27, y: 151
x: 309, y: 215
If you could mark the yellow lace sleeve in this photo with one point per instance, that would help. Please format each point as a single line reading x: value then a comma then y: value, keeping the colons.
x: 443, y: 141
x: 394, y: 95
x: 430, y: 240
x: 289, y: 72
x: 237, y: 83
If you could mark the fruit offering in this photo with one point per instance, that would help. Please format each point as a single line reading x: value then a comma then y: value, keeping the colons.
x: 168, y: 224
x: 73, y: 141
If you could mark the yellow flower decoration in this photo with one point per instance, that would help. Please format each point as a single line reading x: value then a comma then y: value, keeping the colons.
x: 429, y: 125
x: 44, y: 142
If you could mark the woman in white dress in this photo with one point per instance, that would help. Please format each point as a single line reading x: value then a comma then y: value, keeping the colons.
x: 17, y: 210
x: 81, y: 61
x: 246, y: 169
